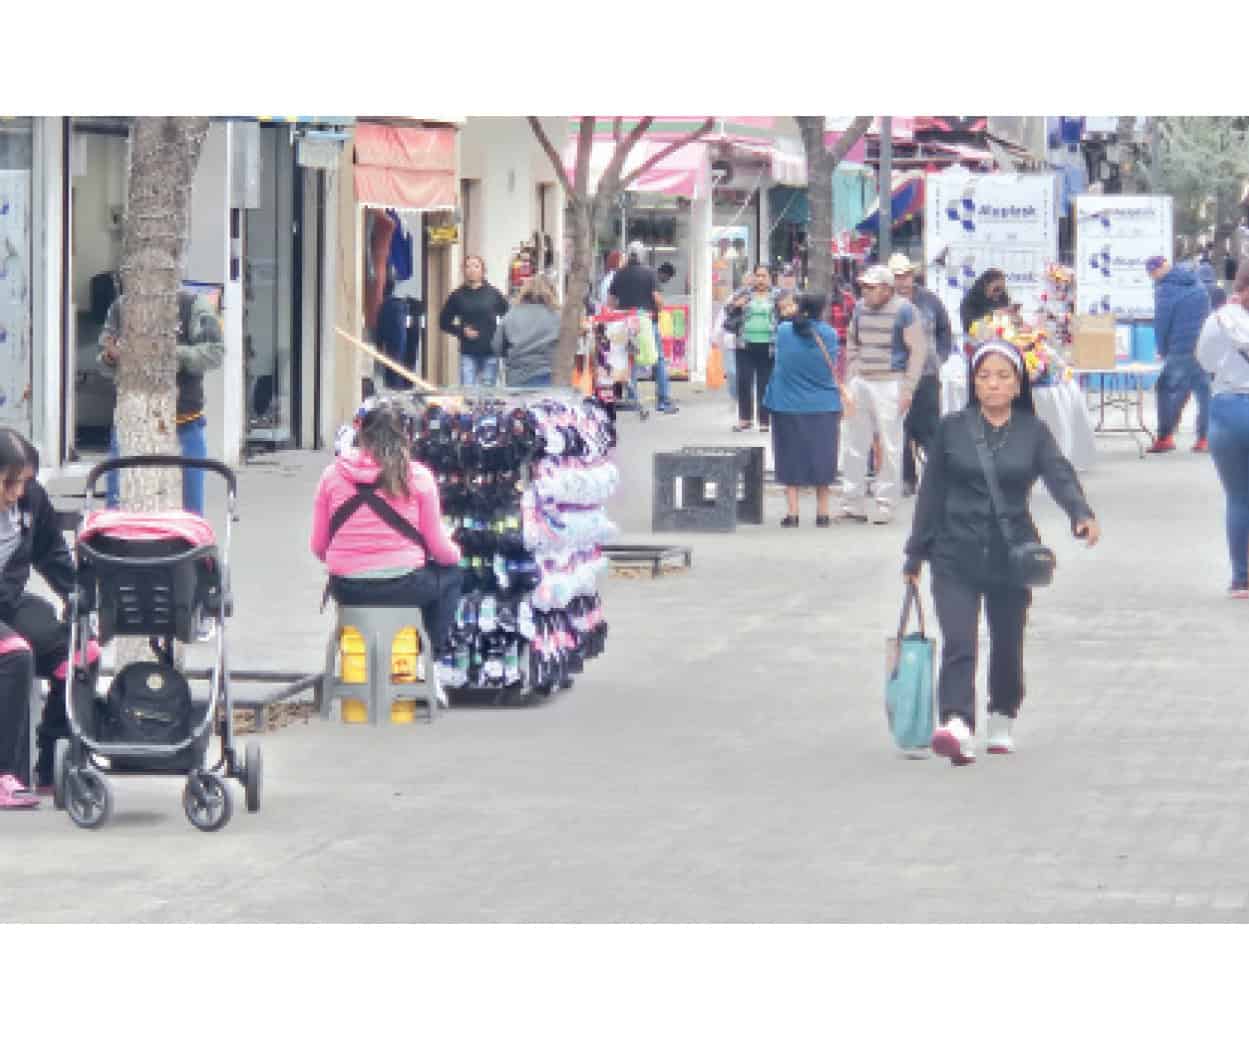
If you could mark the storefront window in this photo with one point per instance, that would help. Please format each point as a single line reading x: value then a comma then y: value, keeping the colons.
x: 16, y: 153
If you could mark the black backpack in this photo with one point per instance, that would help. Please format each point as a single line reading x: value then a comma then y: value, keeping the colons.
x: 148, y: 703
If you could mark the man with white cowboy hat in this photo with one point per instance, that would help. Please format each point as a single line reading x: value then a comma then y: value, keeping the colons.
x: 921, y: 421
x: 885, y: 355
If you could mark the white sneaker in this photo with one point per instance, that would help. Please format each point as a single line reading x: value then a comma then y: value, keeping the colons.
x: 1000, y: 740
x: 954, y: 741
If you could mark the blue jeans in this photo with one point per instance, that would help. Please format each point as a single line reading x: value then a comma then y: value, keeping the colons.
x: 479, y: 371
x: 1181, y: 375
x: 1229, y: 447
x: 193, y: 445
x: 662, y: 386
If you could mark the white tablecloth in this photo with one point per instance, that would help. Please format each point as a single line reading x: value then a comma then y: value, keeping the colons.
x: 1062, y: 407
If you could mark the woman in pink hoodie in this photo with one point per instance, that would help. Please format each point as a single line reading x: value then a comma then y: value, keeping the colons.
x: 377, y: 526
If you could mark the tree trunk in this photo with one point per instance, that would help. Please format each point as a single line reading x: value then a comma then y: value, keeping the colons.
x: 821, y: 165
x: 581, y: 227
x: 164, y: 152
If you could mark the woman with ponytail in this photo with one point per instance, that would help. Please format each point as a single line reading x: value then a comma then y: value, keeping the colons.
x: 377, y: 526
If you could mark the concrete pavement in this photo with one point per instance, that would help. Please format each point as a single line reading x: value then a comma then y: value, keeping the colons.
x: 727, y: 759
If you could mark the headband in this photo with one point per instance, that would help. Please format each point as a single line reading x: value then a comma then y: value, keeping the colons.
x: 1001, y: 349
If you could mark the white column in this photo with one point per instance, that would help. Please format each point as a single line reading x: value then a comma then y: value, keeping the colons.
x: 699, y: 332
x: 47, y: 300
x: 208, y: 260
x: 329, y: 309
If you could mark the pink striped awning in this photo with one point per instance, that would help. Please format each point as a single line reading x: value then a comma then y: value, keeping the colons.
x: 684, y: 172
x: 404, y: 167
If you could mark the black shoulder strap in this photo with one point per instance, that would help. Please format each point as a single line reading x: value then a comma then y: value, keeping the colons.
x: 990, y: 472
x: 912, y: 598
x: 366, y: 494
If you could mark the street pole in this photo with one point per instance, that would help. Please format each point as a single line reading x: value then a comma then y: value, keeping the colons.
x: 885, y: 239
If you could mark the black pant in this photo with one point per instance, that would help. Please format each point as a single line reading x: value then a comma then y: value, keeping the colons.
x: 435, y: 589
x: 36, y: 621
x: 17, y: 671
x: 754, y: 366
x: 958, y: 611
x: 920, y: 424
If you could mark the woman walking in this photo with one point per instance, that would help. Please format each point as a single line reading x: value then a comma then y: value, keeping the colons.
x: 959, y: 532
x: 755, y: 308
x: 472, y: 313
x: 1223, y: 351
x: 530, y: 334
x: 804, y: 401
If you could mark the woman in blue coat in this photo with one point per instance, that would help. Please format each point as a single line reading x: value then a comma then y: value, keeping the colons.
x: 805, y: 403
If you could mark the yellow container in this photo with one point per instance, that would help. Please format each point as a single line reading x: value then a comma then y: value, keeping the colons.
x: 355, y: 710
x: 404, y: 652
x: 353, y: 652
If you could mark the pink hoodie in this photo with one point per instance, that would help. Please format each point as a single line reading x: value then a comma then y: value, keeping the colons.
x: 366, y: 542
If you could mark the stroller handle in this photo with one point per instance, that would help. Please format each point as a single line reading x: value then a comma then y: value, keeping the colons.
x: 162, y: 462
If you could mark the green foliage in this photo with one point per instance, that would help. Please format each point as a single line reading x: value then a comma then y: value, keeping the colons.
x: 1204, y: 165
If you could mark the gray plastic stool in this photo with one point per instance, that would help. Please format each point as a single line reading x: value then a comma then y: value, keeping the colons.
x: 379, y: 626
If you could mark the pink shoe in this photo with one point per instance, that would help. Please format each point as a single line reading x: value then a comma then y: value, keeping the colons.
x: 954, y: 741
x: 14, y: 795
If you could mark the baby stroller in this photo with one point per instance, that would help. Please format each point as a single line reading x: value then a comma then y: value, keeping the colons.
x: 156, y: 575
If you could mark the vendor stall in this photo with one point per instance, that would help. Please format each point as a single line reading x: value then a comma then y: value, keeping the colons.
x: 1056, y: 392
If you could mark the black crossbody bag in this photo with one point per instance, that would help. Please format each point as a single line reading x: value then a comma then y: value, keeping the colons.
x: 1029, y: 564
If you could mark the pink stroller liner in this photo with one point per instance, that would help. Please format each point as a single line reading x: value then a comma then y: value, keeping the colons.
x: 15, y: 644
x: 93, y: 655
x: 147, y: 527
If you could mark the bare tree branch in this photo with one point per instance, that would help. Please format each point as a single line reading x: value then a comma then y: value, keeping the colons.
x: 850, y: 138
x: 611, y: 175
x: 536, y: 125
x: 663, y: 153
x: 585, y: 144
x: 616, y: 124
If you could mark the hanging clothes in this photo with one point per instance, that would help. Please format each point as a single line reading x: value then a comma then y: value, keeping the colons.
x: 400, y: 248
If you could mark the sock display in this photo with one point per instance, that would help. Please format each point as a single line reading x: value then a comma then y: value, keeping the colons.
x: 523, y: 483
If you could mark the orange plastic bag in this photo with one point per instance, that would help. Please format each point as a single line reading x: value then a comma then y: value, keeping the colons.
x: 583, y: 378
x: 715, y: 369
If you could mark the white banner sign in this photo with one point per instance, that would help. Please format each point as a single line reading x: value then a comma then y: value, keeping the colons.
x: 963, y: 208
x: 973, y: 222
x: 1115, y: 235
x: 14, y: 298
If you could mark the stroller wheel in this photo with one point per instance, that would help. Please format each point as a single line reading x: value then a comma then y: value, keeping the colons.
x: 60, y: 766
x: 206, y: 801
x: 253, y: 775
x: 88, y: 798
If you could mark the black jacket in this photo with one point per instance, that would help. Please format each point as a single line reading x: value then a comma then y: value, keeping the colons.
x: 954, y: 525
x: 42, y: 547
x: 481, y: 308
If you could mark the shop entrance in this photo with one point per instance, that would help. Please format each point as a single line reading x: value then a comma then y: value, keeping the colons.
x: 99, y: 168
x: 270, y: 318
x: 284, y: 246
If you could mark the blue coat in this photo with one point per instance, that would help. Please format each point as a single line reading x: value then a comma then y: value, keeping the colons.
x: 801, y: 380
x: 1181, y: 306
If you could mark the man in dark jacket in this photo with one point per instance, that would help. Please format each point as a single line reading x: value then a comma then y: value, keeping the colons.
x: 1181, y: 306
x: 921, y: 421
